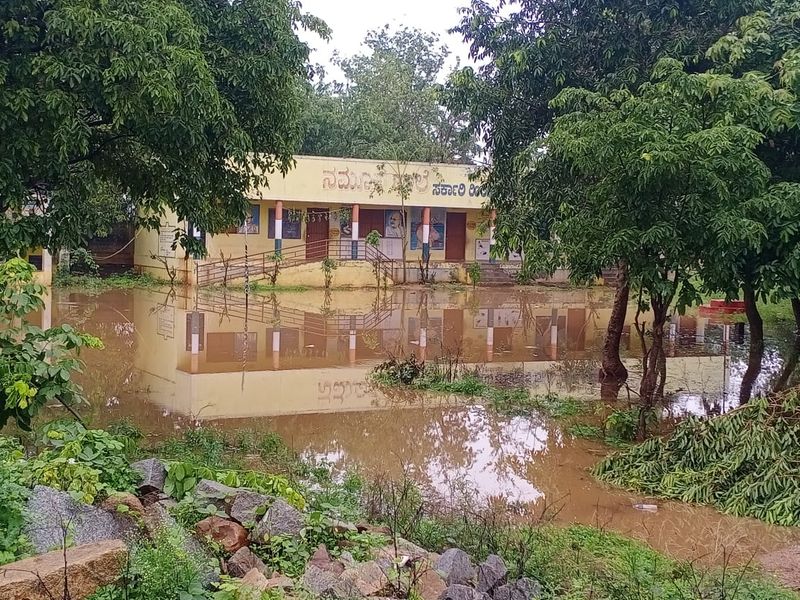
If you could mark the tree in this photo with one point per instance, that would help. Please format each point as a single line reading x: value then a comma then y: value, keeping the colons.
x: 179, y: 104
x: 665, y: 173
x: 388, y: 106
x: 528, y: 55
x: 36, y: 365
x: 766, y: 42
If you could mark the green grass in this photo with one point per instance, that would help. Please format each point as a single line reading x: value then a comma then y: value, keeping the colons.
x: 218, y: 450
x: 575, y: 562
x: 508, y: 401
x: 116, y: 281
x: 579, y: 562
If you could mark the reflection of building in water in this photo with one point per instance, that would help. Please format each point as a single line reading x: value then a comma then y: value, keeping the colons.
x: 223, y: 355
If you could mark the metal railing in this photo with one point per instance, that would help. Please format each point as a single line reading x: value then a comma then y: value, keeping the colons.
x: 259, y: 265
x: 262, y: 310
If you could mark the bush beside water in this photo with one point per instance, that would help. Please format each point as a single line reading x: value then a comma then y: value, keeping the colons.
x: 746, y: 462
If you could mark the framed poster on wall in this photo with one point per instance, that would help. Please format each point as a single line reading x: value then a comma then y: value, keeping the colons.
x: 436, y: 238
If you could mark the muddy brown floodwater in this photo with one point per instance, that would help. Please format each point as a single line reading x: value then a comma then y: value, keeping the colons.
x: 297, y: 364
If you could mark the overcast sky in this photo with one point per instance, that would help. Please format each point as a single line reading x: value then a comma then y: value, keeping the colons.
x: 351, y: 19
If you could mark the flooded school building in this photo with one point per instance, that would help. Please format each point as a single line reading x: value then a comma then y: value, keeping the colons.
x: 327, y: 207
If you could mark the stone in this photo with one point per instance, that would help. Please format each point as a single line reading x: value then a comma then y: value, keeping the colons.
x: 213, y: 492
x: 319, y: 581
x: 456, y: 567
x: 322, y: 560
x: 243, y: 561
x: 50, y: 511
x: 117, y: 500
x: 255, y: 579
x: 281, y: 582
x: 374, y: 529
x: 153, y: 473
x: 430, y: 585
x: 153, y: 497
x: 388, y: 558
x: 524, y: 588
x: 528, y: 588
x: 492, y: 573
x: 89, y: 567
x: 280, y: 519
x: 245, y: 506
x: 365, y: 579
x: 347, y: 559
x: 458, y: 591
x: 342, y: 527
x: 228, y: 534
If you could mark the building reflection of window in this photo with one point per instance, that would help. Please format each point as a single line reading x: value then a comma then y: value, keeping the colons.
x: 231, y: 347
x: 290, y: 342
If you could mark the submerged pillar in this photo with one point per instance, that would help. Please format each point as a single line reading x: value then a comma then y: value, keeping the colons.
x: 354, y: 234
x: 490, y: 335
x: 492, y: 240
x: 278, y: 226
x: 276, y: 349
x: 426, y: 234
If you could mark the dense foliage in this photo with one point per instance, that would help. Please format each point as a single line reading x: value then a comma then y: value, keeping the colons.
x: 530, y: 50
x: 36, y: 365
x: 13, y: 495
x: 109, y: 107
x: 744, y: 462
x: 389, y: 105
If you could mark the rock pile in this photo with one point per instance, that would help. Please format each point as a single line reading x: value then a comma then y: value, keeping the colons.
x: 243, y: 517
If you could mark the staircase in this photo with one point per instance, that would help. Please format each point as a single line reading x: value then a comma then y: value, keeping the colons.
x: 493, y: 274
x: 257, y: 266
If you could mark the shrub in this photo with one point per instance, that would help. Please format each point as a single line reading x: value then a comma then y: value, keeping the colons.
x: 85, y: 462
x: 474, y: 272
x: 744, y: 462
x: 164, y: 570
x: 13, y: 495
x: 36, y: 365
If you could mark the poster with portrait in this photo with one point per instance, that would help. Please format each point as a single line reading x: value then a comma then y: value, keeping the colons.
x: 393, y: 223
x: 346, y: 224
x: 438, y: 216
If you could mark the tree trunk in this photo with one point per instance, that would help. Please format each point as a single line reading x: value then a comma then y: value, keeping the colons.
x: 796, y: 311
x: 756, y: 351
x: 789, y: 366
x: 656, y: 361
x: 612, y: 367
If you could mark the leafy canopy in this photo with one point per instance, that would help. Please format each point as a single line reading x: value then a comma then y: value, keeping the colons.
x: 530, y: 50
x: 142, y: 104
x: 389, y: 105
x: 665, y: 172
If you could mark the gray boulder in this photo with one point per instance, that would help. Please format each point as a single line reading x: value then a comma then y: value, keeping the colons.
x: 524, y: 588
x: 243, y: 561
x: 213, y: 492
x: 153, y: 473
x: 245, y: 506
x: 320, y: 582
x: 457, y: 591
x: 280, y: 519
x: 456, y: 567
x: 52, y: 514
x: 492, y: 573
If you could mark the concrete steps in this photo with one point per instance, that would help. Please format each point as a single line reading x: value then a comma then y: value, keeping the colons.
x: 498, y: 275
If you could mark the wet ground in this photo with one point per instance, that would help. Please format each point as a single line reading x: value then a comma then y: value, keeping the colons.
x: 296, y: 363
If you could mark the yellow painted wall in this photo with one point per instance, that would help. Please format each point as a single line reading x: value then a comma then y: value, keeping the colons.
x: 319, y: 182
x: 353, y: 181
